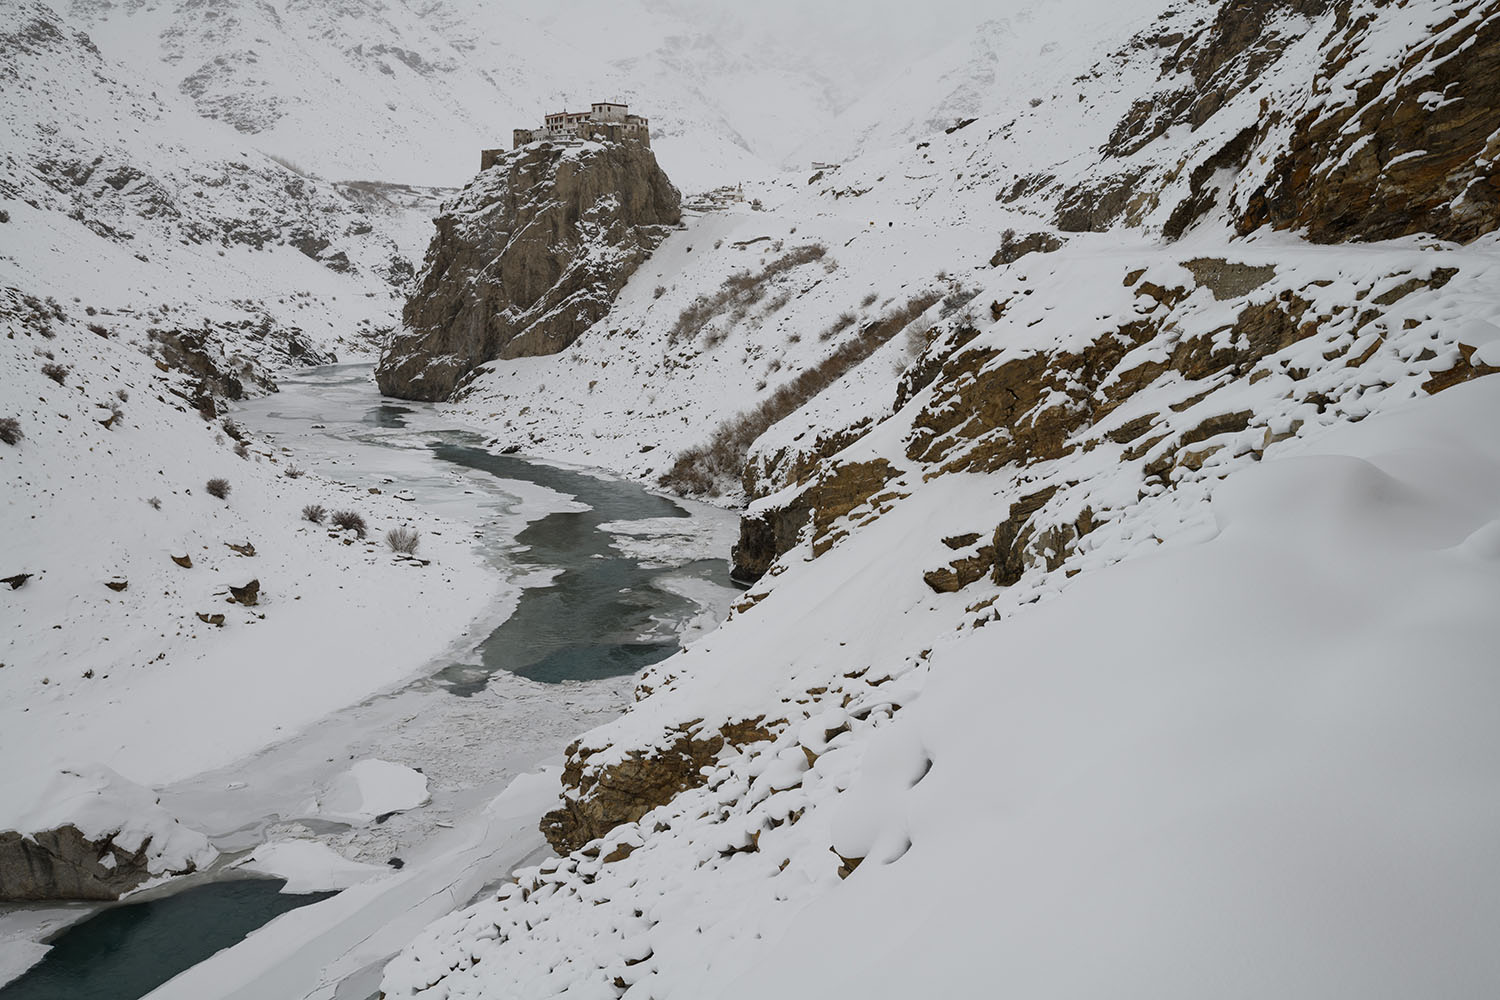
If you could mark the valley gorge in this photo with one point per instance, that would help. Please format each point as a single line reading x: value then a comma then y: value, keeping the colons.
x: 1090, y: 458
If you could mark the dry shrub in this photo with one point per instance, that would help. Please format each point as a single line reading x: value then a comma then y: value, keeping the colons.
x: 956, y: 300
x: 293, y: 472
x: 10, y: 430
x: 740, y: 291
x: 217, y: 487
x: 702, y: 469
x: 838, y: 326
x: 56, y: 372
x: 348, y: 520
x: 403, y: 540
x: 313, y: 512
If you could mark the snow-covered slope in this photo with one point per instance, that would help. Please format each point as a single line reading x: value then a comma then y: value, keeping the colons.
x: 124, y: 639
x: 1124, y: 558
x: 1267, y: 748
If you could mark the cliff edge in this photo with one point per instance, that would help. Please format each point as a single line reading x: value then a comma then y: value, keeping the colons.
x: 525, y: 259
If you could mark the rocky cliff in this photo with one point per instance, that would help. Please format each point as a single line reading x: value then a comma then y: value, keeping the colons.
x: 525, y: 259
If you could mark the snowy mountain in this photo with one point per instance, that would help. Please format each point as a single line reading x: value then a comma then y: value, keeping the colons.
x: 1110, y: 430
x: 1121, y: 511
x: 411, y: 92
x: 118, y: 195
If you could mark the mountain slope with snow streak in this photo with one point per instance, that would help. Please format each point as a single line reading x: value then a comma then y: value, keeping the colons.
x: 1120, y: 620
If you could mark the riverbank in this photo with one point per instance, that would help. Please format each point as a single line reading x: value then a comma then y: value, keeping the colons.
x: 331, y: 423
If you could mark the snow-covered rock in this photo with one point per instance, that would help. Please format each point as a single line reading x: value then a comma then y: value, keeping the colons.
x: 371, y: 790
x: 88, y: 833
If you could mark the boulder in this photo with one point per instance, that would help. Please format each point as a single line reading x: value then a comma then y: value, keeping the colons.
x: 65, y: 864
x: 248, y: 595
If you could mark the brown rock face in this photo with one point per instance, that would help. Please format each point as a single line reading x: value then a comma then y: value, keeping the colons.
x: 596, y: 803
x: 1416, y: 151
x: 64, y: 864
x: 525, y: 259
x: 834, y: 493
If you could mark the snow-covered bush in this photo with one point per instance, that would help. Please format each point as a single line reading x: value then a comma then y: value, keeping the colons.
x: 313, y: 512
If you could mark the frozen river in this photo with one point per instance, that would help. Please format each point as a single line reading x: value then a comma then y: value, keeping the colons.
x: 604, y: 577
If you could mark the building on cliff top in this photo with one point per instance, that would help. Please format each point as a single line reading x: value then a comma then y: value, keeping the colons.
x: 605, y: 120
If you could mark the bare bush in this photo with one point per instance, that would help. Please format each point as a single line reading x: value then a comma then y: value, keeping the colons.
x: 348, y: 520
x: 844, y: 322
x: 56, y: 372
x: 956, y: 300
x: 123, y: 395
x: 741, y: 290
x: 659, y: 292
x: 403, y: 540
x: 293, y: 472
x: 233, y: 429
x: 704, y: 468
x: 868, y: 300
x: 154, y: 503
x: 313, y: 512
x: 217, y: 487
x: 10, y: 430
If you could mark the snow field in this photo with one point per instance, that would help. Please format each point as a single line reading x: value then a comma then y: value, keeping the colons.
x: 145, y: 676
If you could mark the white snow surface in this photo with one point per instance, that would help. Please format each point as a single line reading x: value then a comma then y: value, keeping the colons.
x: 309, y: 866
x: 372, y: 788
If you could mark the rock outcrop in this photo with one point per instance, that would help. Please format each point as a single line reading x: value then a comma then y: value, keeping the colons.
x: 601, y: 799
x: 65, y: 864
x: 526, y: 258
x: 1363, y: 138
